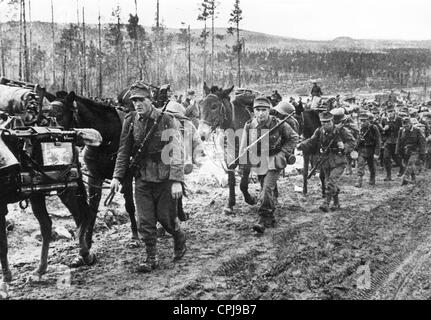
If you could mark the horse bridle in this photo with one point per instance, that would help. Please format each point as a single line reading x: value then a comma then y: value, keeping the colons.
x: 222, y: 114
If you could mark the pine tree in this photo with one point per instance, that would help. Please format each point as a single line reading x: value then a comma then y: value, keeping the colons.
x: 235, y: 18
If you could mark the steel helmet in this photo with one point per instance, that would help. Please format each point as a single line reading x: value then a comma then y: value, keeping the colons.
x: 284, y: 108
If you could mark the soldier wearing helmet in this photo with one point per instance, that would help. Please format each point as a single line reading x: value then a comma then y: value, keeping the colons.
x: 285, y: 109
x: 269, y: 158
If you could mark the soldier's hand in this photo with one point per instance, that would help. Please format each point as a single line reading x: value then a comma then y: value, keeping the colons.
x: 177, y: 190
x: 115, y: 185
x: 340, y: 145
x: 376, y: 157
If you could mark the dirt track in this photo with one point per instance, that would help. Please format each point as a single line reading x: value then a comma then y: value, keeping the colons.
x: 309, y: 255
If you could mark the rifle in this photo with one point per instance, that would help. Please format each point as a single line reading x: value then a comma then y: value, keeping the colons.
x: 260, y: 139
x: 325, y: 154
x: 134, y: 164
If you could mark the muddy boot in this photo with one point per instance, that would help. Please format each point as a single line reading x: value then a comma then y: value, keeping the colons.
x: 180, y: 247
x: 372, y: 180
x: 359, y: 182
x: 325, y: 206
x: 152, y: 262
x: 260, y: 226
x: 336, y: 204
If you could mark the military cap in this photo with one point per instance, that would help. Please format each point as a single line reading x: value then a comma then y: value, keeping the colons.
x: 405, y: 110
x: 424, y: 109
x: 139, y: 90
x: 407, y: 120
x: 190, y: 92
x: 326, y: 116
x: 262, y: 102
x: 390, y: 107
x: 403, y: 115
x: 284, y: 108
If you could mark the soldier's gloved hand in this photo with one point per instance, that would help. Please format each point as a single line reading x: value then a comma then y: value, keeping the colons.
x: 115, y: 185
x: 177, y: 190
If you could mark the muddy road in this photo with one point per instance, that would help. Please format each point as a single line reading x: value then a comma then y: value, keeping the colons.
x: 375, y: 247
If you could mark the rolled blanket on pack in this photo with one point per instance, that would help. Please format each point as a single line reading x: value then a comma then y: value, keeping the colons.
x: 13, y: 100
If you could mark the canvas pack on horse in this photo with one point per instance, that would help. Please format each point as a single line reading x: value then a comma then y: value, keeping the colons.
x: 218, y: 112
x: 47, y: 161
x: 100, y: 161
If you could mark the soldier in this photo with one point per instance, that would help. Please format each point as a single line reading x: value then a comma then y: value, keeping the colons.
x: 316, y: 91
x: 340, y: 118
x: 283, y: 110
x: 411, y: 147
x: 192, y: 110
x: 275, y: 154
x: 391, y: 127
x: 368, y: 147
x: 159, y: 180
x: 337, y: 141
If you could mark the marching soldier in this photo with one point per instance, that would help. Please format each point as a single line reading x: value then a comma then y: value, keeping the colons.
x: 333, y: 143
x: 368, y: 147
x: 391, y: 127
x: 411, y: 146
x: 275, y: 154
x: 159, y: 180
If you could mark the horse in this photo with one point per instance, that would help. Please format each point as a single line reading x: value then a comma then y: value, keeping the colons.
x: 100, y: 161
x: 75, y: 200
x: 218, y: 112
x: 311, y: 122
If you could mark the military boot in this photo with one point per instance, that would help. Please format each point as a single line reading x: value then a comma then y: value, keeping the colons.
x: 180, y: 247
x: 152, y: 261
x: 372, y: 180
x: 336, y: 204
x: 264, y: 222
x: 359, y: 182
x: 325, y: 206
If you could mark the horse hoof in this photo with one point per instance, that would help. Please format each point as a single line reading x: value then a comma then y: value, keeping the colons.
x: 228, y: 211
x: 134, y: 244
x: 80, y: 261
x: 251, y: 200
x: 7, y: 276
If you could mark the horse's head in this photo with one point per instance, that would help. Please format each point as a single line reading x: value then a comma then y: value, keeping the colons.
x: 216, y: 110
x: 63, y: 109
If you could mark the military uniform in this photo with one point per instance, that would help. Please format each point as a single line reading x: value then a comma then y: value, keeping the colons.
x: 273, y: 157
x: 368, y: 146
x: 411, y: 145
x: 333, y: 168
x: 159, y: 168
x: 390, y: 137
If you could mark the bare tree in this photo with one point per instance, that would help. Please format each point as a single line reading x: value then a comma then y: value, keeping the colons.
x: 203, y: 16
x: 53, y: 45
x: 235, y: 18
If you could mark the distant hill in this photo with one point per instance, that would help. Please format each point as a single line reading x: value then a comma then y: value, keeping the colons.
x: 253, y: 40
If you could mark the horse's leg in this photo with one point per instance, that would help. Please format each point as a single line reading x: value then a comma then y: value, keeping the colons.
x: 305, y: 173
x: 38, y: 206
x: 245, y: 179
x: 130, y: 206
x: 232, y: 200
x: 75, y: 199
x: 7, y: 274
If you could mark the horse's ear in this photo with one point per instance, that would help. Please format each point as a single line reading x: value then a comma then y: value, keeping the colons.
x: 71, y: 97
x: 206, y: 89
x: 227, y: 92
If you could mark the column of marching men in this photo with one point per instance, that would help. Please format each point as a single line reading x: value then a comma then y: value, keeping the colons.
x: 363, y: 137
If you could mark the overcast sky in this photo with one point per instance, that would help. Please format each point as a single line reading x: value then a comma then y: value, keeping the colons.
x: 305, y: 19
